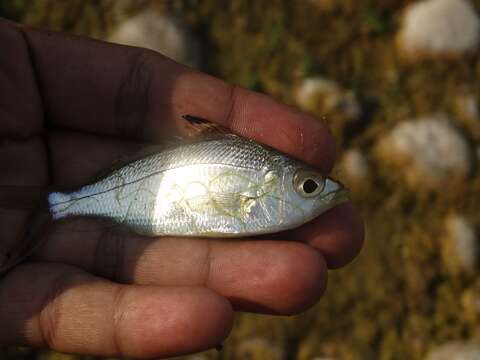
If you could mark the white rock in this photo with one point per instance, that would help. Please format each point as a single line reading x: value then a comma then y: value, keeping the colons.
x: 318, y: 92
x: 429, y: 150
x: 162, y: 33
x: 456, y: 350
x: 312, y: 89
x: 461, y: 246
x: 439, y: 27
x: 355, y: 165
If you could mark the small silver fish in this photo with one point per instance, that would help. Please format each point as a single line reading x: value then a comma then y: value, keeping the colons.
x: 226, y: 186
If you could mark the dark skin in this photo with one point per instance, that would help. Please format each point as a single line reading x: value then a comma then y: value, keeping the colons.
x: 70, y: 107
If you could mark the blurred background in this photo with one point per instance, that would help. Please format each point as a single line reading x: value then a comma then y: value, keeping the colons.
x: 398, y: 82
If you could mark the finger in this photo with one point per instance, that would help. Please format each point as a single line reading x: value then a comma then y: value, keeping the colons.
x: 259, y: 276
x: 77, y: 159
x: 70, y: 311
x: 134, y: 92
x: 20, y: 105
x: 22, y: 154
x: 338, y: 234
x: 22, y: 163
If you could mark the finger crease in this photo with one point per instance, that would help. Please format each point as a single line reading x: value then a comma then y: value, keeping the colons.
x: 207, y: 264
x: 232, y: 111
x: 133, y: 97
x: 35, y: 73
x: 43, y: 113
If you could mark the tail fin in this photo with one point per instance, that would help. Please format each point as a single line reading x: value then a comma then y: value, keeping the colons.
x: 58, y: 203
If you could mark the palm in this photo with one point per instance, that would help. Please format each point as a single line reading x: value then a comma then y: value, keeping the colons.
x: 69, y: 108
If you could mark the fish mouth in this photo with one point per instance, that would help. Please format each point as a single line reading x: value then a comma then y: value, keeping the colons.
x: 340, y: 196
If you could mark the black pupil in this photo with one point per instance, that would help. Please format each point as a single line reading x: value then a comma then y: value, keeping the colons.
x: 309, y: 186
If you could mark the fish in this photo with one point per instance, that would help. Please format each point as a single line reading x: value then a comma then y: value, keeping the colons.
x: 218, y: 185
x: 222, y: 185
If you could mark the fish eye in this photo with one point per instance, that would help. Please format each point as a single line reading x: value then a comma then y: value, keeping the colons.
x: 309, y: 186
x: 308, y: 183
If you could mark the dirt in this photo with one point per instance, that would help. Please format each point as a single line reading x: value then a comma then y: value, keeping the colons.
x: 397, y: 300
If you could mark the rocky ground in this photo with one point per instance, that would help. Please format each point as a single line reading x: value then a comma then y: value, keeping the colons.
x: 398, y: 82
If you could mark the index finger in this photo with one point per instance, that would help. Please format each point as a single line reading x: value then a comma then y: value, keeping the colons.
x: 124, y: 91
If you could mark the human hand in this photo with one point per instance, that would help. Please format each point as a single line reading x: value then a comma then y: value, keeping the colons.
x: 69, y: 107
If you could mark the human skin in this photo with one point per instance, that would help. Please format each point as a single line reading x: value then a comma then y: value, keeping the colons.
x: 72, y: 106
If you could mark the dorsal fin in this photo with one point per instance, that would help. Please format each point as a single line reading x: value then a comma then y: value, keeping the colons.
x: 202, y: 129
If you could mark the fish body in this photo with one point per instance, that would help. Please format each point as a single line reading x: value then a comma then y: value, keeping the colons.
x: 224, y: 187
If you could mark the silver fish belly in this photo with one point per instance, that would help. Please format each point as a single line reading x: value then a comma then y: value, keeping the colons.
x: 219, y: 188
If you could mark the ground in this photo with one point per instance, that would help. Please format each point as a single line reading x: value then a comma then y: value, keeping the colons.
x: 398, y: 300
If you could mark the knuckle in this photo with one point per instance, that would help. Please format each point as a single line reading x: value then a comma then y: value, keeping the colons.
x: 233, y: 105
x: 207, y: 264
x: 51, y: 314
x: 118, y: 316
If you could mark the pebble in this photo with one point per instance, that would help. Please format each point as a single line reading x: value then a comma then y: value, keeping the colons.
x: 355, y: 170
x: 355, y: 164
x: 456, y: 350
x: 439, y: 28
x: 460, y: 245
x: 318, y: 93
x: 429, y: 152
x: 162, y: 33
